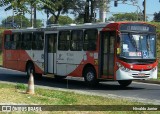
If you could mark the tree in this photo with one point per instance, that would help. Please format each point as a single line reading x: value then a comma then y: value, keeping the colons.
x: 13, y: 4
x: 63, y: 20
x: 39, y: 23
x: 79, y: 19
x: 22, y: 6
x: 19, y: 21
x: 126, y: 17
x: 58, y: 7
x: 157, y: 17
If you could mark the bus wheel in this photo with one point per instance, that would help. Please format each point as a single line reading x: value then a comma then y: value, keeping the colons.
x: 30, y: 68
x: 90, y: 77
x: 124, y: 83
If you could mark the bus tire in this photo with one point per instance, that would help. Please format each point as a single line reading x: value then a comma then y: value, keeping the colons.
x: 90, y: 77
x: 124, y: 83
x: 30, y: 68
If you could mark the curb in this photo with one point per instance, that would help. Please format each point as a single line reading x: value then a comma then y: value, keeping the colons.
x: 148, y: 81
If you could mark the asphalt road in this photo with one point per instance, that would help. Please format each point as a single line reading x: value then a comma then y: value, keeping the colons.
x: 141, y: 92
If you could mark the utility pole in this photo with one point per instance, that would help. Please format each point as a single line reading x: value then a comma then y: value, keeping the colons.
x: 144, y: 10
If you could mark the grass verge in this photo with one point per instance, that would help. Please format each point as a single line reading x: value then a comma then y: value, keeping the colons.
x: 15, y: 94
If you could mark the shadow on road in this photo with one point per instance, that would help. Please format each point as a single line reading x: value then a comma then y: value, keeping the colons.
x: 64, y: 83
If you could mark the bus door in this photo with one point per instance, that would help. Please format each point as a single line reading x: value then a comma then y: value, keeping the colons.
x: 107, y: 41
x: 50, y: 52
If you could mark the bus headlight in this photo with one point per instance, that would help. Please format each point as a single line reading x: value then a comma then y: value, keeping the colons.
x: 122, y: 67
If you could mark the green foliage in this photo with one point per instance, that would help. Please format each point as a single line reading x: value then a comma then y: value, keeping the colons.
x: 63, y: 20
x: 126, y: 17
x: 19, y: 20
x: 14, y: 4
x: 157, y: 24
x: 103, y: 4
x: 58, y: 7
x: 20, y: 86
x: 39, y: 23
x: 79, y: 19
x: 6, y: 86
x: 22, y: 4
x: 157, y: 17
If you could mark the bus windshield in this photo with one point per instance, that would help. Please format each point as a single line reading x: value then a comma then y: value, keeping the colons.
x: 138, y: 46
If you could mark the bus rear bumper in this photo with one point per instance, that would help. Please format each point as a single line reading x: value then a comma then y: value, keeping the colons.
x: 136, y: 75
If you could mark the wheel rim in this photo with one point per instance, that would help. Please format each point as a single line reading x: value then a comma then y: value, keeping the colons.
x: 90, y: 76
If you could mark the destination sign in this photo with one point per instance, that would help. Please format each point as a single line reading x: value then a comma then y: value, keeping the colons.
x: 137, y: 27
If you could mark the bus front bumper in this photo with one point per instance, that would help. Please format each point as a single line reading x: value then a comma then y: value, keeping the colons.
x: 136, y: 75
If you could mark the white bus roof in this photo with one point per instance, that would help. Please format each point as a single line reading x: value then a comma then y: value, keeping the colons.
x: 65, y: 27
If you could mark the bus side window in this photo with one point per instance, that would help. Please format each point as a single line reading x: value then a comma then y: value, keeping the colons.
x: 76, y: 40
x: 90, y: 38
x: 7, y: 40
x: 16, y: 41
x: 26, y: 41
x: 63, y: 41
x: 37, y: 41
x: 19, y: 38
x: 13, y: 42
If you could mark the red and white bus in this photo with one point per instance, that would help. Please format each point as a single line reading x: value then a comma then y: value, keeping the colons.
x: 121, y: 51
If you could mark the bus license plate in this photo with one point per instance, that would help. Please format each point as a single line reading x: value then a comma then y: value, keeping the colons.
x: 141, y: 74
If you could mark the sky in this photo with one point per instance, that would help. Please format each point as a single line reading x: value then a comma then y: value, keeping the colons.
x: 152, y: 6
